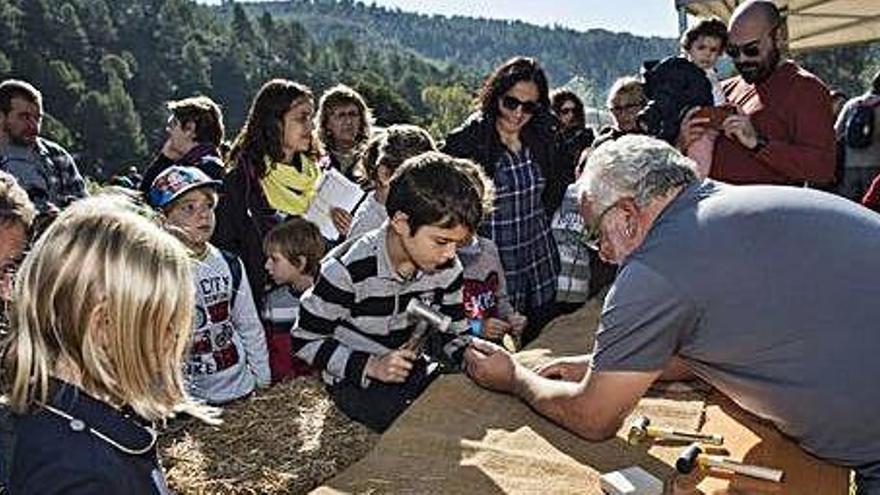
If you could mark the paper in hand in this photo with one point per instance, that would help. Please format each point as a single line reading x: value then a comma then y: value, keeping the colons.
x: 334, y: 190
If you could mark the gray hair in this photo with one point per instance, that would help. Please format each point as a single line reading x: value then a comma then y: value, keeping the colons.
x: 634, y: 166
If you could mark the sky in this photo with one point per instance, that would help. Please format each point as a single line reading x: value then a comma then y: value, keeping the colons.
x: 641, y: 17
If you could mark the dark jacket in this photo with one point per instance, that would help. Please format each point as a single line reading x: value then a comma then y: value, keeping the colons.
x: 478, y: 140
x: 58, y: 455
x: 244, y: 217
x: 204, y: 157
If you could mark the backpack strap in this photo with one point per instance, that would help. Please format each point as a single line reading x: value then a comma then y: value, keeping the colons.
x: 235, y: 268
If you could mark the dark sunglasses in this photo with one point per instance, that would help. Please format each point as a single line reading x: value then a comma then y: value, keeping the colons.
x: 566, y: 110
x: 749, y: 49
x: 512, y: 103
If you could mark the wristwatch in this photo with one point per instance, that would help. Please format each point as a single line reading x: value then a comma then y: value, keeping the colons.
x: 760, y: 143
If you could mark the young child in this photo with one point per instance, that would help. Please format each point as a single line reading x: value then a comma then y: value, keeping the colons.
x: 486, y: 304
x: 294, y: 249
x: 703, y: 43
x: 353, y: 324
x: 100, y: 326
x: 396, y: 144
x: 228, y: 355
x: 573, y: 282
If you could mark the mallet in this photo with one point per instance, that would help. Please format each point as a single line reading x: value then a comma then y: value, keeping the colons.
x: 426, y: 319
x: 693, y: 456
x: 641, y: 428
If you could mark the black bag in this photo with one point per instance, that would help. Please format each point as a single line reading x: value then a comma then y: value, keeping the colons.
x: 859, y: 129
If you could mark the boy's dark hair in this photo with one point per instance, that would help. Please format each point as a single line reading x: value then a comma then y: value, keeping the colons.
x: 399, y: 143
x: 711, y: 27
x: 204, y: 113
x: 436, y: 189
x: 16, y: 88
x: 295, y: 237
x: 561, y: 95
x: 515, y: 70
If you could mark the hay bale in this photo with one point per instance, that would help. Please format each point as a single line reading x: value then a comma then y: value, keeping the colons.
x: 285, y: 439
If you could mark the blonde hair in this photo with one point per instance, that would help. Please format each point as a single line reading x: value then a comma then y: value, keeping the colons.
x: 102, y: 259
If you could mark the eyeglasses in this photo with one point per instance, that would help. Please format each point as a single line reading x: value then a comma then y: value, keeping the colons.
x: 593, y: 232
x: 512, y: 103
x: 750, y: 49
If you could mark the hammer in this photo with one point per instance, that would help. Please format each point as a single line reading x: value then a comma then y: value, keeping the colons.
x: 426, y: 320
x: 641, y: 428
x: 693, y: 456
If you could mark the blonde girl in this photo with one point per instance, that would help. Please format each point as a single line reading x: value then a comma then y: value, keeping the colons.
x: 100, y: 321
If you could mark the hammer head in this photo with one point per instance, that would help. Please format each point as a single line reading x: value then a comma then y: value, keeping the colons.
x: 687, y: 460
x: 638, y: 430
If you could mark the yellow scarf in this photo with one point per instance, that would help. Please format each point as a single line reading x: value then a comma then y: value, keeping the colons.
x: 290, y: 190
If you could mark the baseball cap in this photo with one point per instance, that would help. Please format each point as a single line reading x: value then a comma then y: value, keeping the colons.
x: 174, y: 181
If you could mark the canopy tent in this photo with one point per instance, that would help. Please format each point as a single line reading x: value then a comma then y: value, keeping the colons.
x: 811, y: 23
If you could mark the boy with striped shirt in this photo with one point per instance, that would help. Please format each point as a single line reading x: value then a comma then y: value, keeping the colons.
x: 353, y: 325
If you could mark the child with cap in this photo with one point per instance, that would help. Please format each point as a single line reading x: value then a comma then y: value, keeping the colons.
x: 228, y: 355
x: 294, y: 249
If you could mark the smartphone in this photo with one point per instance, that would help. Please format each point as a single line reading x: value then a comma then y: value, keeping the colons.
x: 716, y: 115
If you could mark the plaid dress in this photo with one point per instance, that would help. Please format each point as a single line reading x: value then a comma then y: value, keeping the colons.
x: 521, y: 231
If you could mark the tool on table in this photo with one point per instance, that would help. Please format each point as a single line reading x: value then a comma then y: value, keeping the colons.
x: 631, y: 481
x: 693, y: 456
x: 426, y: 320
x: 641, y: 429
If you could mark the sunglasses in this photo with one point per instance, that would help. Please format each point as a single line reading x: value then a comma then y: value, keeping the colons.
x: 512, y: 103
x: 566, y: 110
x: 749, y: 49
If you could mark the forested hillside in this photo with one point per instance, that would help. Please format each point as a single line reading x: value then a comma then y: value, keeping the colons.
x: 106, y: 67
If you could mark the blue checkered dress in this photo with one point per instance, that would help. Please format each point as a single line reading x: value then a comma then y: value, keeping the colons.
x: 520, y: 228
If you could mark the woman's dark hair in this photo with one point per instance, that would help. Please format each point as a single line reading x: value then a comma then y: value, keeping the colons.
x: 711, y: 27
x: 561, y: 95
x: 261, y: 134
x: 517, y: 69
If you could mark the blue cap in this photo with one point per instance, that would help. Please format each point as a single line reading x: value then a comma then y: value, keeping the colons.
x: 174, y: 181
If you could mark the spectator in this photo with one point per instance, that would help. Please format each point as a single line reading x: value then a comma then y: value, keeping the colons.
x: 861, y: 164
x: 102, y: 317
x: 352, y: 323
x: 195, y: 131
x: 227, y: 357
x: 713, y: 283
x: 273, y: 175
x: 626, y: 99
x: 16, y: 216
x: 343, y: 128
x: 776, y: 138
x: 702, y: 44
x: 41, y: 167
x: 398, y: 143
x: 573, y: 132
x: 294, y: 249
x: 512, y: 137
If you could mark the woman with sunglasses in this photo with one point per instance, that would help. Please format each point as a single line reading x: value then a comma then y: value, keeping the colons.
x: 512, y: 136
x: 573, y: 133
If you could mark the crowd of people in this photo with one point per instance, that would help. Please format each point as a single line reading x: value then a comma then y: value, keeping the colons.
x: 202, y: 280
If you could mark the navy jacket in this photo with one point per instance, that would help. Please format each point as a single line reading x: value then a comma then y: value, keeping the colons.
x: 54, y: 455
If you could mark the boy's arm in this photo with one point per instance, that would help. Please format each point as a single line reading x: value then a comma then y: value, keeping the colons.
x: 248, y: 326
x: 455, y: 340
x: 322, y: 308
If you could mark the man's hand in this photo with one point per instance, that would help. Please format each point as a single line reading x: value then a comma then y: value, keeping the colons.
x: 393, y: 367
x: 341, y: 220
x: 692, y: 128
x: 494, y: 329
x: 490, y: 366
x: 518, y: 323
x: 567, y: 369
x: 739, y: 127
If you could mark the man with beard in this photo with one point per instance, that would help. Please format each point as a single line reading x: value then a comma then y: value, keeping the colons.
x: 784, y: 130
x: 42, y: 168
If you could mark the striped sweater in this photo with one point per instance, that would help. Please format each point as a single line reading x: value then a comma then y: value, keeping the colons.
x: 357, y: 309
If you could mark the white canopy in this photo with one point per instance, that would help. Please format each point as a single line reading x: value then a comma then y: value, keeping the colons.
x: 811, y: 23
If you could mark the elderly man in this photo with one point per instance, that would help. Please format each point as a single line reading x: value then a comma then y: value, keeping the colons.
x: 766, y: 292
x: 784, y: 131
